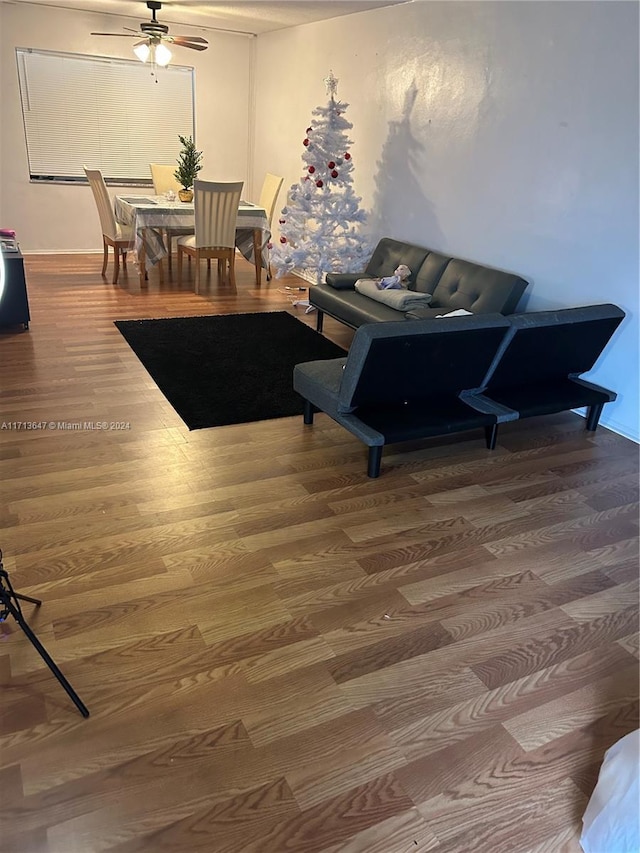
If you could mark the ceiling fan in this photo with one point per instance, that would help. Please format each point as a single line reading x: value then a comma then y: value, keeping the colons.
x: 154, y: 34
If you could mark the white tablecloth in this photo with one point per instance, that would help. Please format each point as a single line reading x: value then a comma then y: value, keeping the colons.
x: 149, y: 214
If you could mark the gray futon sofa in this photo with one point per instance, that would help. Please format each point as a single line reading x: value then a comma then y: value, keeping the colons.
x: 450, y: 283
x: 407, y: 381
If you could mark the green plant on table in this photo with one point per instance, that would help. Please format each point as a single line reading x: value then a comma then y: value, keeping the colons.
x: 188, y: 163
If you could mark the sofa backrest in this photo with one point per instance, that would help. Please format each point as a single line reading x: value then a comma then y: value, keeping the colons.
x: 393, y: 363
x: 430, y: 272
x: 390, y: 253
x: 426, y: 266
x: 477, y: 289
x: 454, y: 283
x: 547, y: 345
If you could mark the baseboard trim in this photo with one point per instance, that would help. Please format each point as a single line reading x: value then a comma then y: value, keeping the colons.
x: 61, y: 251
x: 613, y: 425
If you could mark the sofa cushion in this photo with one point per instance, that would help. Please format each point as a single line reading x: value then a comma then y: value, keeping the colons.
x: 351, y: 307
x: 479, y: 289
x: 390, y: 253
x: 400, y: 300
x: 430, y: 273
x: 427, y: 312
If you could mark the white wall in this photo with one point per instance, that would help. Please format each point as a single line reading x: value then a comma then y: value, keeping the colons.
x: 505, y: 133
x: 64, y: 218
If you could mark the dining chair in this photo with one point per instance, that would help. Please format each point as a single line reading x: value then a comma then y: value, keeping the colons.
x: 114, y: 233
x: 164, y: 179
x: 268, y: 196
x: 216, y: 212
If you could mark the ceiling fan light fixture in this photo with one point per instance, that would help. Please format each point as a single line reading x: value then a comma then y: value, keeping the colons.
x: 142, y: 51
x: 162, y: 54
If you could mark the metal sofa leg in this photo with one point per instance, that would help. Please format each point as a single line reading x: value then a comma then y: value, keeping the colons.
x: 319, y: 320
x: 491, y: 436
x: 593, y: 416
x: 375, y: 458
x: 309, y: 409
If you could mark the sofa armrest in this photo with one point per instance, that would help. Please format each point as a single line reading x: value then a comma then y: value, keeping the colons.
x: 344, y: 280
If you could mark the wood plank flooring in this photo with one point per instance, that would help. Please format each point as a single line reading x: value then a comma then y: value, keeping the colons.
x: 279, y: 654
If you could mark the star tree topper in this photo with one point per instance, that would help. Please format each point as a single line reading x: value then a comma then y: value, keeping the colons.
x: 331, y: 84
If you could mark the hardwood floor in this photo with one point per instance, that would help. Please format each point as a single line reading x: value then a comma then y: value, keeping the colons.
x: 278, y: 653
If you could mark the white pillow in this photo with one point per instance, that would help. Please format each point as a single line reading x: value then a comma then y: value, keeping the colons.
x: 610, y: 822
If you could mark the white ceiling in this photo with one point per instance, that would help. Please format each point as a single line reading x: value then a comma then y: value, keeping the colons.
x: 258, y: 16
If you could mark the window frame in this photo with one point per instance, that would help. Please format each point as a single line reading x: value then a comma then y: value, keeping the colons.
x: 133, y: 122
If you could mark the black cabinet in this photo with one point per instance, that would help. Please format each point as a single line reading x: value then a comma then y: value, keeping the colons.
x: 14, y: 302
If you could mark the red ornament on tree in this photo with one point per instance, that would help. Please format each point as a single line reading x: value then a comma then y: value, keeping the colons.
x: 334, y: 174
x: 305, y: 141
x: 331, y: 164
x: 283, y: 239
x: 282, y: 221
x: 312, y: 169
x: 347, y: 156
x: 319, y: 183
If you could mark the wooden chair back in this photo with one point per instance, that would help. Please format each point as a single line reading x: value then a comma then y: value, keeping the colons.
x: 103, y: 202
x: 269, y: 194
x: 216, y: 212
x: 163, y: 178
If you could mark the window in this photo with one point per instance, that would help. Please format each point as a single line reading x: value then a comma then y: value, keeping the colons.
x: 115, y: 115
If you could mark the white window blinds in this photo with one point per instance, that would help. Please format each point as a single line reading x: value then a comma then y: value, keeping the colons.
x: 114, y: 115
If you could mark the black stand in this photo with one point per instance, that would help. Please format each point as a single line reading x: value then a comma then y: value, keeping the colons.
x: 10, y: 604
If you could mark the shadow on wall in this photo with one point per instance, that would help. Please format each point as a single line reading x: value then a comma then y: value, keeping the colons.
x: 400, y: 208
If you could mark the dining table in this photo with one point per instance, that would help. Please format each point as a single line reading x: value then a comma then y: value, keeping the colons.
x: 150, y: 215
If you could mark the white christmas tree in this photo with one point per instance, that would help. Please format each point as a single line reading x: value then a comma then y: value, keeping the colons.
x: 319, y: 230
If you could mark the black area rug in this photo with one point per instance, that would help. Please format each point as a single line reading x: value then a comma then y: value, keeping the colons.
x: 228, y: 369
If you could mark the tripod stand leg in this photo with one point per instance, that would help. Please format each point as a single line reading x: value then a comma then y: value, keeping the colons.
x: 46, y: 657
x: 35, y: 601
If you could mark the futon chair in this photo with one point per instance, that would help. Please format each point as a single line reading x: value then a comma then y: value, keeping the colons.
x: 538, y: 370
x: 216, y: 212
x: 407, y: 381
x: 164, y: 180
x: 113, y: 233
x: 268, y: 196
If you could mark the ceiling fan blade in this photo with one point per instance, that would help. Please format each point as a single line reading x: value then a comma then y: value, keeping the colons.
x: 121, y: 35
x: 185, y: 41
x: 196, y: 39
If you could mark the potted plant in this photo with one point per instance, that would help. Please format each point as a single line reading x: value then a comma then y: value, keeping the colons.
x: 188, y: 167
